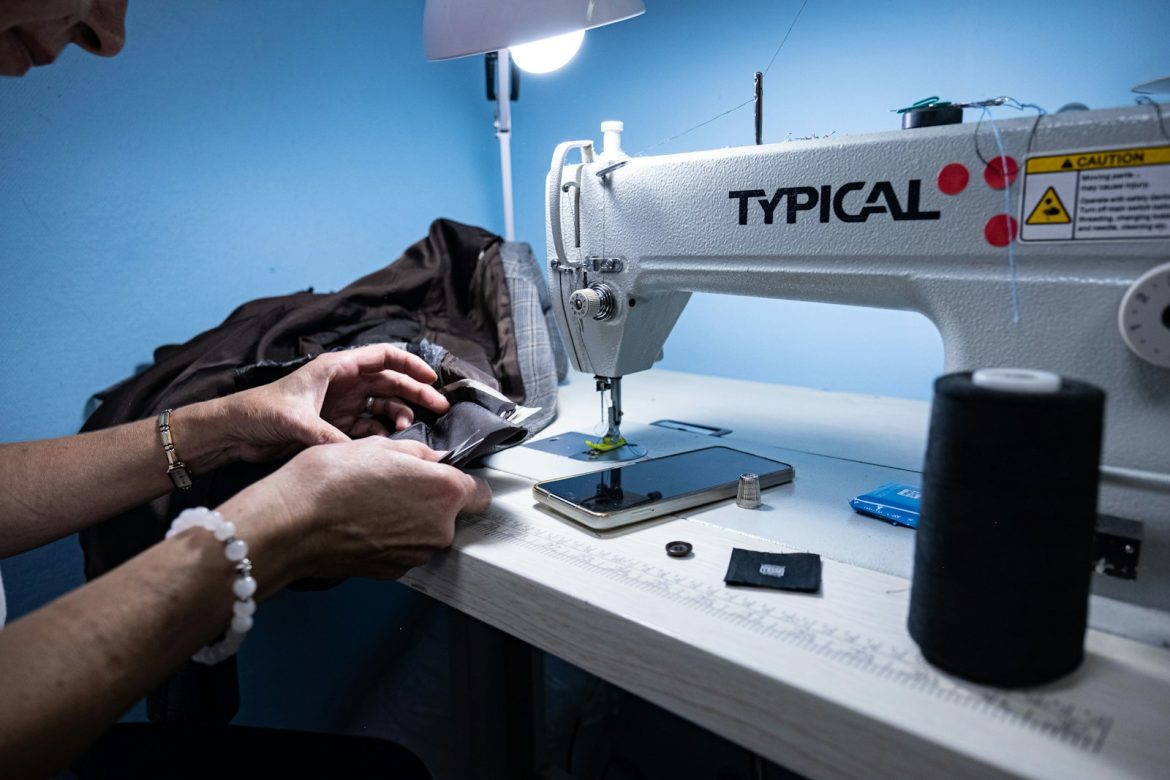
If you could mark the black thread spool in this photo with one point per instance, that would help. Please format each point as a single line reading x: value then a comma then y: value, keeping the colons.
x: 1003, y: 556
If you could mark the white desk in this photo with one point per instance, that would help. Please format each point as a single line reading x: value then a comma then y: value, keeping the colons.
x: 829, y: 685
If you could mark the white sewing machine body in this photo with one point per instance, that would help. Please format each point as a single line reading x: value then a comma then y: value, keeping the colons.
x: 865, y: 220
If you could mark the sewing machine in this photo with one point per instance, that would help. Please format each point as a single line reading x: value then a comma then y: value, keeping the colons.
x: 1067, y: 270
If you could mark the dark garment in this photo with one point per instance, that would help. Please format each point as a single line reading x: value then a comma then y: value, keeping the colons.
x: 153, y: 751
x: 477, y: 424
x: 449, y: 288
x: 448, y: 295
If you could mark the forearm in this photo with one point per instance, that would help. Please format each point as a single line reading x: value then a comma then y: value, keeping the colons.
x: 49, y: 489
x: 55, y: 487
x: 70, y: 669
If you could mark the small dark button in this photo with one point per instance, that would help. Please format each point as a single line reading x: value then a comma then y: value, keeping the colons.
x: 678, y: 549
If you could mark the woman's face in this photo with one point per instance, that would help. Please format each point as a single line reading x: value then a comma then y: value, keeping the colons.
x: 34, y: 32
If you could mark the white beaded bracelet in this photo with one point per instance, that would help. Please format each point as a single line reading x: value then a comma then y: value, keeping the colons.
x: 244, y: 587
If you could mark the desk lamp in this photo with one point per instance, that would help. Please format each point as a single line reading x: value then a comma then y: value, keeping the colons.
x: 541, y: 35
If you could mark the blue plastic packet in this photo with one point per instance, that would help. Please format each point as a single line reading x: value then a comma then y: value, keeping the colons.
x: 893, y: 502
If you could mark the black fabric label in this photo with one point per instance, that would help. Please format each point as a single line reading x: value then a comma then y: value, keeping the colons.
x: 785, y: 571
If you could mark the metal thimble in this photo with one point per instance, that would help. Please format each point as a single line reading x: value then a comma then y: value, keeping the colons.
x: 748, y: 494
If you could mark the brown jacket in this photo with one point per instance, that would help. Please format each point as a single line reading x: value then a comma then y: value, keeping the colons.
x: 449, y: 288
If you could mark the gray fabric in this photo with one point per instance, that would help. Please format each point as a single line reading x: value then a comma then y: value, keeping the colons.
x: 433, y: 354
x: 541, y: 353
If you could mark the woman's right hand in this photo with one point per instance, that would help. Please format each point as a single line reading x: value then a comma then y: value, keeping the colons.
x: 373, y: 507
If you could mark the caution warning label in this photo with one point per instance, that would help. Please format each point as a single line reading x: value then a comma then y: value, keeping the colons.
x: 1091, y: 161
x: 1097, y: 194
x: 1049, y: 211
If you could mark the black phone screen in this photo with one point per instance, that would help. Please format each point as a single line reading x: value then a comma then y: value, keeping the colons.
x: 659, y: 479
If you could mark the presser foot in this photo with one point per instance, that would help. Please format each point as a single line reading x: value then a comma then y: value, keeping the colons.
x: 606, y: 443
x: 575, y: 445
x: 615, y: 453
x: 612, y: 446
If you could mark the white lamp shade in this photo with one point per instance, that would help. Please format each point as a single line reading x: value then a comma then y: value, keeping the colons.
x: 458, y: 28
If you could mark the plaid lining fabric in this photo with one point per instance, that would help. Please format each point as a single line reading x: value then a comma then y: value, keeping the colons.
x: 541, y: 353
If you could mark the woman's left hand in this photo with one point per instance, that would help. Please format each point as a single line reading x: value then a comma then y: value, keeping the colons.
x: 330, y: 399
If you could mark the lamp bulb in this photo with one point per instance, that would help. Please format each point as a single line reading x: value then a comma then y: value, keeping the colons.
x: 545, y: 56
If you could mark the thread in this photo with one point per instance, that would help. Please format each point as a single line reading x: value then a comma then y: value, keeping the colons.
x: 733, y: 109
x: 784, y: 40
x: 689, y: 130
x: 1145, y: 101
x: 1007, y: 209
x: 1008, y: 102
x: 1003, y: 556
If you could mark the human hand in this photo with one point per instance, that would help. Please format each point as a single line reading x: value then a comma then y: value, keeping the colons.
x: 324, y: 402
x: 374, y: 508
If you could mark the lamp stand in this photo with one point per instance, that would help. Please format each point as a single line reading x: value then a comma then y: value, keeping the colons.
x: 504, y: 133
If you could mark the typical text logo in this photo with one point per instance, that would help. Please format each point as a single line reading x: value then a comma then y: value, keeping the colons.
x: 830, y: 202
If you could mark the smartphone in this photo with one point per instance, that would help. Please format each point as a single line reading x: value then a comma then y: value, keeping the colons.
x: 658, y: 486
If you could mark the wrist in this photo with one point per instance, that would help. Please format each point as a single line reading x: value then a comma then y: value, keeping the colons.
x: 202, y: 435
x: 244, y: 586
x: 273, y: 527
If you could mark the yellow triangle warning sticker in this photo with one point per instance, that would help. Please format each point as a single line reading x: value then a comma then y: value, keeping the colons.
x: 1049, y: 211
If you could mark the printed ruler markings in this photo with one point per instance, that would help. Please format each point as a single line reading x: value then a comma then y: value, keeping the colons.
x: 1047, y: 715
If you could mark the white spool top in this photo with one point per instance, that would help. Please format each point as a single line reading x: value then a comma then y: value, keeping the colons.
x: 1017, y: 380
x: 611, y: 140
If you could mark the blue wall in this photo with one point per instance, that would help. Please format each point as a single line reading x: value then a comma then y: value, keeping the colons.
x: 236, y: 150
